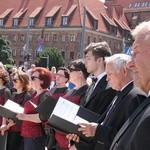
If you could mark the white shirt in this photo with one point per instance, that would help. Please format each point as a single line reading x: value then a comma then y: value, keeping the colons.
x: 99, y: 78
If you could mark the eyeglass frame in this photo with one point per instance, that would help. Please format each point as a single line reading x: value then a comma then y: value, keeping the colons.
x: 74, y: 69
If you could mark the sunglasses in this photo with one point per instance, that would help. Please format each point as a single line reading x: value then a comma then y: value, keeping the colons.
x: 34, y: 77
x: 73, y: 69
x: 15, y: 80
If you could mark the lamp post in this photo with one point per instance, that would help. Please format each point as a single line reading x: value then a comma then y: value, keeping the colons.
x: 83, y: 33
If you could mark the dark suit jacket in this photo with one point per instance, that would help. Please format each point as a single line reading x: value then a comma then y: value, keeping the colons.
x: 99, y: 100
x: 135, y: 133
x: 119, y: 113
x: 101, y: 97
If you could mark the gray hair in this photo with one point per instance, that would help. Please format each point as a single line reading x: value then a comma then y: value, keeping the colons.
x: 143, y: 29
x: 118, y: 60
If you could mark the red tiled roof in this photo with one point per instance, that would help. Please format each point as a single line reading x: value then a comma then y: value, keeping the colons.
x: 72, y: 8
x: 53, y: 11
x: 35, y: 12
x: 120, y: 23
x: 108, y: 20
x: 20, y: 13
x: 126, y: 26
x: 91, y: 13
x: 7, y: 12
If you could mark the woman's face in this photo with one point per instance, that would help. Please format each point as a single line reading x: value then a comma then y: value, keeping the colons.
x: 60, y: 78
x: 17, y: 83
x: 74, y: 75
x: 35, y: 81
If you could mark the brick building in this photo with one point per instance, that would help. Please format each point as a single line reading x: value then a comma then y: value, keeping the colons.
x: 60, y: 23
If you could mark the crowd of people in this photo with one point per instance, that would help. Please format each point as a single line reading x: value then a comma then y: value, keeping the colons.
x: 118, y: 92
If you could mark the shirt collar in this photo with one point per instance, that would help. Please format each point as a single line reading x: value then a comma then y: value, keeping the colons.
x: 101, y: 76
x: 126, y: 85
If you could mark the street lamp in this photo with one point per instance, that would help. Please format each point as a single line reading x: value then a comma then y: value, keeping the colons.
x: 83, y: 32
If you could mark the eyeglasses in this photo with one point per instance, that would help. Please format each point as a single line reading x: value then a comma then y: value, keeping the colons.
x: 15, y: 80
x: 73, y: 69
x: 60, y: 75
x: 34, y: 77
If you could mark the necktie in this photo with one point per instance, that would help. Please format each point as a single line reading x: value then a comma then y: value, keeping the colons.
x: 90, y: 90
x: 112, y: 106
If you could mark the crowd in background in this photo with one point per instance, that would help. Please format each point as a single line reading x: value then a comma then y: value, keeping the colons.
x: 116, y: 87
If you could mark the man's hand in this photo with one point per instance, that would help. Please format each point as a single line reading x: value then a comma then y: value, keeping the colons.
x: 88, y: 129
x: 73, y: 137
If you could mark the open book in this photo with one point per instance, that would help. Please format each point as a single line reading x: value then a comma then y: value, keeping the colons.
x: 10, y: 109
x: 65, y: 116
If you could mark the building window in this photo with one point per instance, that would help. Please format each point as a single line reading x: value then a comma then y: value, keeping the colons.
x: 30, y: 37
x: 54, y: 37
x: 31, y: 22
x: 71, y: 55
x: 146, y: 4
x: 15, y: 38
x: 64, y: 21
x: 89, y: 40
x: 100, y: 40
x: 63, y: 54
x: 95, y: 24
x: 15, y: 22
x: 113, y: 30
x: 48, y: 21
x: 1, y: 22
x: 22, y: 38
x: 14, y: 53
x: 94, y: 40
x: 63, y: 38
x: 21, y: 53
x: 130, y: 5
x: 47, y: 37
x: 72, y: 38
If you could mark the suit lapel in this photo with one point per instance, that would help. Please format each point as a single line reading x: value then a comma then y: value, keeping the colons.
x: 130, y: 120
x: 99, y: 88
x: 121, y: 97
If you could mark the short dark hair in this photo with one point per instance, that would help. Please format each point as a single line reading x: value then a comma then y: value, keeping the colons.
x: 66, y: 71
x: 44, y: 75
x: 79, y: 64
x: 100, y: 49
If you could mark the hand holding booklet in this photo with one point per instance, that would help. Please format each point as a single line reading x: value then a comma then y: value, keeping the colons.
x: 65, y: 116
x: 10, y: 109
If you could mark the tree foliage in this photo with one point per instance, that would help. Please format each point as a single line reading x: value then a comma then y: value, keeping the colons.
x: 54, y: 56
x: 5, y: 52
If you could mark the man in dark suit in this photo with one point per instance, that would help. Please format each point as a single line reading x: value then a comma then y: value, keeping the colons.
x: 134, y: 134
x: 126, y: 101
x: 102, y: 94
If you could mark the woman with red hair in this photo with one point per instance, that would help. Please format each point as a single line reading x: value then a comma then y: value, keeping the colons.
x: 32, y: 132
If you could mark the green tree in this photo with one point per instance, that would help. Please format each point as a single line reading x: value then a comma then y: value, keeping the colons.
x: 54, y: 56
x: 5, y: 52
